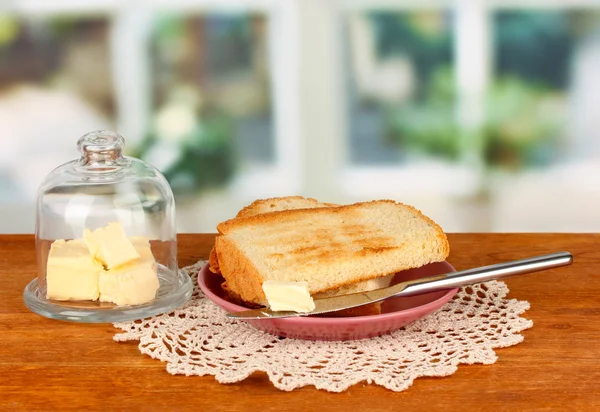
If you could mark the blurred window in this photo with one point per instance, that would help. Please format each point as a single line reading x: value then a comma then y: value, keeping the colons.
x: 211, y: 104
x: 401, y: 100
x: 235, y: 101
x: 190, y: 91
x: 542, y: 97
x: 47, y: 101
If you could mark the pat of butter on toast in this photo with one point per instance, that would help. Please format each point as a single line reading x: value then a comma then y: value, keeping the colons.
x: 284, y: 295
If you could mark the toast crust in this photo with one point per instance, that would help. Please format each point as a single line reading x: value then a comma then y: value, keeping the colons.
x: 213, y: 260
x: 233, y: 261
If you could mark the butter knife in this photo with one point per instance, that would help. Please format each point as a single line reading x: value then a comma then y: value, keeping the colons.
x: 419, y: 286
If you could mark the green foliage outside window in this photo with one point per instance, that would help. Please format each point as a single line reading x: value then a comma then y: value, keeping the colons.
x: 522, y: 124
x: 201, y: 157
x: 526, y: 102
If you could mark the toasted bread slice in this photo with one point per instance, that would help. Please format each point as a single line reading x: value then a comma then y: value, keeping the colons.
x: 298, y: 202
x: 329, y: 247
x: 275, y: 204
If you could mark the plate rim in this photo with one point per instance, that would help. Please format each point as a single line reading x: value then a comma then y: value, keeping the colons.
x: 446, y: 297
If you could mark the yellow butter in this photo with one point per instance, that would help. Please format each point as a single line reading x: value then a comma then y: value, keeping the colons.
x: 103, y: 265
x: 131, y: 284
x: 142, y: 246
x: 288, y: 296
x: 92, y: 244
x: 110, y: 246
x: 71, y: 272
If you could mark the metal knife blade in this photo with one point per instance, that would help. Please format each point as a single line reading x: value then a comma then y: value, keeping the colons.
x: 419, y: 286
x: 326, y: 305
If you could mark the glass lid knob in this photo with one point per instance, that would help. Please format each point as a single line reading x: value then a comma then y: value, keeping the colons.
x: 101, y: 147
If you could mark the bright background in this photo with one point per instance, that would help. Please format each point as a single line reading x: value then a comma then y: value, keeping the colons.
x: 484, y: 114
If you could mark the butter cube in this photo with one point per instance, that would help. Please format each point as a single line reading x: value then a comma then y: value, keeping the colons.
x: 142, y: 246
x: 131, y: 284
x: 288, y: 296
x: 110, y: 246
x: 71, y: 273
x: 92, y: 244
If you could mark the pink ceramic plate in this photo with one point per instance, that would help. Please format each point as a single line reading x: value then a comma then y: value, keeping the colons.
x: 396, y: 312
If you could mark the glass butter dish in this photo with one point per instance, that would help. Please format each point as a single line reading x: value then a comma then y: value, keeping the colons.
x: 106, y: 240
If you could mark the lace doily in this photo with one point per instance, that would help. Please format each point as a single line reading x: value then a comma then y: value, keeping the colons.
x: 198, y: 339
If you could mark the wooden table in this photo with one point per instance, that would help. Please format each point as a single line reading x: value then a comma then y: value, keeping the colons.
x: 50, y: 365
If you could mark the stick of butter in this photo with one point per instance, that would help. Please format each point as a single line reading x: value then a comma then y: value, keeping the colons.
x: 288, y: 296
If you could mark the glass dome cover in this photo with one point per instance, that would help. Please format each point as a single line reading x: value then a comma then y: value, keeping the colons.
x: 106, y: 238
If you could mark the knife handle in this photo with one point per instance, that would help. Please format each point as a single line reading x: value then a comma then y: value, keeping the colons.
x: 486, y: 273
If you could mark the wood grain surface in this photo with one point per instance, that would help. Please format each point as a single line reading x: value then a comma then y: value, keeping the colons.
x: 49, y: 365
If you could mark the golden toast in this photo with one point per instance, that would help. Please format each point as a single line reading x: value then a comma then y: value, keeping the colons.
x: 277, y: 204
x: 274, y: 204
x: 329, y: 247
